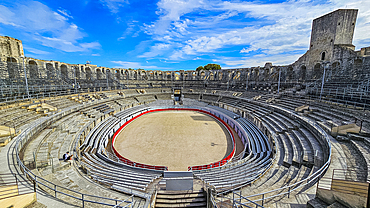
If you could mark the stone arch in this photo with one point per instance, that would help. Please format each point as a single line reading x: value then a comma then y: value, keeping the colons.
x: 211, y: 76
x: 125, y: 74
x: 160, y: 75
x: 194, y: 76
x: 88, y: 73
x: 64, y: 71
x: 143, y: 75
x: 237, y: 75
x: 323, y: 56
x: 77, y: 72
x: 12, y: 67
x: 177, y: 76
x: 33, y: 69
x: 302, y: 73
x: 202, y: 75
x: 266, y: 72
x: 118, y: 75
x: 357, y: 65
x: 108, y: 73
x: 220, y: 76
x: 290, y: 73
x: 335, y: 67
x: 50, y: 70
x: 317, y: 71
x: 98, y: 73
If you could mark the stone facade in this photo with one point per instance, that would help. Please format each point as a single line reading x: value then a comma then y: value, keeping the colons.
x: 10, y: 47
x: 331, y: 44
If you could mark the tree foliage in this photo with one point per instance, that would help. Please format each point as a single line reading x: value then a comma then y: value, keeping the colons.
x: 209, y: 67
x: 200, y: 68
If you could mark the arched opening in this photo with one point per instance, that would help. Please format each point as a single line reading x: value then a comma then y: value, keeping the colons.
x: 317, y: 72
x: 64, y: 71
x: 357, y: 67
x: 323, y: 56
x: 33, y: 70
x: 302, y: 73
x: 266, y: 73
x: 118, y: 75
x: 135, y: 75
x: 143, y: 75
x: 98, y: 74
x: 88, y: 73
x: 290, y: 73
x: 202, y: 75
x: 50, y: 71
x: 220, y: 76
x: 77, y: 72
x: 12, y: 67
x: 211, y: 76
x: 108, y: 73
x: 335, y: 67
x: 194, y: 75
x: 177, y: 76
x: 237, y: 75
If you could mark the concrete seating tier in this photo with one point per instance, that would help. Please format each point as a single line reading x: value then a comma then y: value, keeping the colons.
x: 61, y: 103
x: 245, y: 171
x: 164, y: 96
x: 145, y: 98
x: 298, y: 143
x: 95, y: 157
x: 191, y: 96
x: 16, y: 117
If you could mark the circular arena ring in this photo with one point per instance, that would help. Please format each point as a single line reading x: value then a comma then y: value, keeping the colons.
x: 220, y: 163
x: 93, y: 150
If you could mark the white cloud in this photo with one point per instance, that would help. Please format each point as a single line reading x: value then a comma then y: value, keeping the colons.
x: 134, y: 65
x: 36, y: 51
x: 114, y: 5
x: 43, y: 24
x: 65, y: 13
x: 257, y: 60
x: 198, y: 27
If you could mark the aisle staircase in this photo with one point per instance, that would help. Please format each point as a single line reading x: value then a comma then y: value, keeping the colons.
x: 192, y: 198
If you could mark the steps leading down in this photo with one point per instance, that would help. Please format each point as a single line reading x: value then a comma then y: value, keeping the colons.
x: 181, y: 199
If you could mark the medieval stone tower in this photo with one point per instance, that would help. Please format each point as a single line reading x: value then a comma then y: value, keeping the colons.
x: 331, y: 37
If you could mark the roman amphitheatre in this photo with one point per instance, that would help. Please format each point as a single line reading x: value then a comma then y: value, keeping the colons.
x: 271, y: 136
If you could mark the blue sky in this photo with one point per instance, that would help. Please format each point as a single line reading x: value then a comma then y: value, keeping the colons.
x: 171, y: 34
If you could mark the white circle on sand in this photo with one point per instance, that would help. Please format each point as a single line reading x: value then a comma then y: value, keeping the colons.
x: 176, y: 139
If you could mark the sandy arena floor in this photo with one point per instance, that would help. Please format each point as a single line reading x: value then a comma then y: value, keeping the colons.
x: 176, y: 139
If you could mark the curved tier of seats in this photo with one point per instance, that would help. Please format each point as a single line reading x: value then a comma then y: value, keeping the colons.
x: 301, y: 160
x: 305, y: 152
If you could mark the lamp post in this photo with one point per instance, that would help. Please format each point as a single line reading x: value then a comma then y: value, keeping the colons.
x: 246, y: 84
x: 25, y: 77
x: 326, y: 66
x: 279, y: 81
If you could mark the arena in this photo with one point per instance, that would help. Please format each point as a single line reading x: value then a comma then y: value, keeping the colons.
x: 164, y: 137
x: 272, y: 136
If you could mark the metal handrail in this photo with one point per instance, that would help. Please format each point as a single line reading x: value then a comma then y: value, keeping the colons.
x: 27, y: 134
x: 308, y: 180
